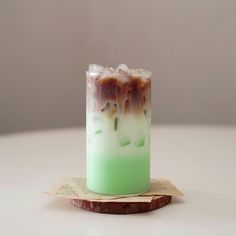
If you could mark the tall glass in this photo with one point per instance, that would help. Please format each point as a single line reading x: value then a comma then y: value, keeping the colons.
x: 118, y: 121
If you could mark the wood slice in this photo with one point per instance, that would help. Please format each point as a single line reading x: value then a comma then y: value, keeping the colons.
x: 122, y: 207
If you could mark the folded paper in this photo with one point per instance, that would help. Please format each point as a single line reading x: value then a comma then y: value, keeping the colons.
x: 75, y: 188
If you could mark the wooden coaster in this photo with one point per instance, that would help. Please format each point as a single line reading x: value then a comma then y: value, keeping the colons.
x: 122, y: 207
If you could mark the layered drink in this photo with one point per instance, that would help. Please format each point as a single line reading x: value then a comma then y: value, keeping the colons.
x: 118, y: 120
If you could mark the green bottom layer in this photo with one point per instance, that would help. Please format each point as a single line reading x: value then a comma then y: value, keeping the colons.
x: 118, y: 175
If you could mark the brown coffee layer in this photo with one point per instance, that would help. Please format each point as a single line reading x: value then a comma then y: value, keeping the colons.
x: 111, y: 94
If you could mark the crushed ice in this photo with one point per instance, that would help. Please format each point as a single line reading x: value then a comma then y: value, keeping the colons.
x: 122, y: 71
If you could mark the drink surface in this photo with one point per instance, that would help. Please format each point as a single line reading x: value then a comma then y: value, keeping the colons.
x: 118, y: 130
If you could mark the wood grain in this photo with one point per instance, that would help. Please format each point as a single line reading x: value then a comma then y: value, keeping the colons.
x: 122, y: 207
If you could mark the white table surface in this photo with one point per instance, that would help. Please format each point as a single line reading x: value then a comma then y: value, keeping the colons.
x: 200, y: 160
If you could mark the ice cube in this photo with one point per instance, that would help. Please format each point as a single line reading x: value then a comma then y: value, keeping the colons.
x: 98, y: 131
x: 106, y: 72
x: 123, y: 72
x: 144, y: 74
x: 124, y: 141
x: 123, y: 68
x: 95, y: 69
x: 139, y: 142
